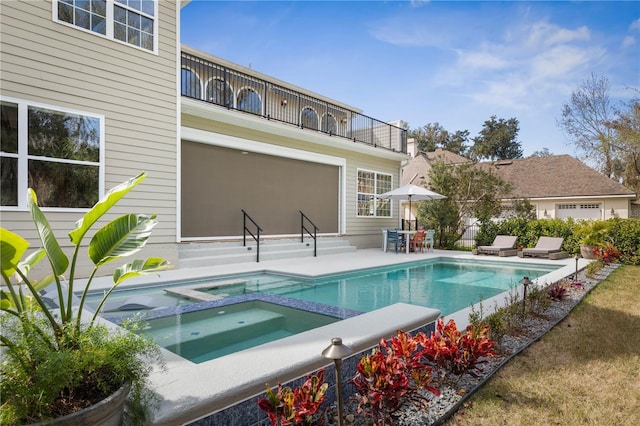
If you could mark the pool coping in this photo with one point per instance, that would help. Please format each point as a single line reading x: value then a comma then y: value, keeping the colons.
x: 189, y: 392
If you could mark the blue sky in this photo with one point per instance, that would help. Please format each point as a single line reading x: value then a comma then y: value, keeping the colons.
x: 452, y: 62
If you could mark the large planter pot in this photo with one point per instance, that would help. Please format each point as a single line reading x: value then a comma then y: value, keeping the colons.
x: 108, y: 412
x: 587, y: 251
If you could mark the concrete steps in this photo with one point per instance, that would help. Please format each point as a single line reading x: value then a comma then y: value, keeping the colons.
x: 197, y: 254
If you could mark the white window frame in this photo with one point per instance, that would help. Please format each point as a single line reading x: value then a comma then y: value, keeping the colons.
x: 24, y: 157
x: 110, y: 21
x: 375, y: 199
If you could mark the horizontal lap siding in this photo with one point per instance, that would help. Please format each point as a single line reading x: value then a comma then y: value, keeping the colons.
x: 51, y: 63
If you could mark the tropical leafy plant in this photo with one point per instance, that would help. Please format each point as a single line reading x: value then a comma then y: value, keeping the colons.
x: 556, y: 291
x: 41, y: 342
x: 286, y: 406
x: 454, y: 351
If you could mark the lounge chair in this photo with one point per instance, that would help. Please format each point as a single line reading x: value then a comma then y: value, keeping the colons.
x: 503, y: 245
x: 547, y: 247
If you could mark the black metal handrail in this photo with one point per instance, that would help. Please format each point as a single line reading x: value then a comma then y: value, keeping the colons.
x: 218, y: 84
x: 314, y: 235
x: 255, y: 237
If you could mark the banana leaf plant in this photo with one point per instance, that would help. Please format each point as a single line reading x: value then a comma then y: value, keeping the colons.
x: 122, y: 237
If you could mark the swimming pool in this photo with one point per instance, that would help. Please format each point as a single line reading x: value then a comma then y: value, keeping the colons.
x: 445, y: 284
x: 207, y: 334
x: 204, y: 319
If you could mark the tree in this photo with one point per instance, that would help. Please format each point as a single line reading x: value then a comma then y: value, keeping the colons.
x: 626, y: 127
x: 584, y: 120
x: 429, y: 137
x: 497, y: 140
x: 457, y: 143
x: 544, y: 152
x: 471, y: 191
x: 433, y: 136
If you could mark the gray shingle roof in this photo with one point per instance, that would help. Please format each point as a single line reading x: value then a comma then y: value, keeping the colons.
x: 555, y: 176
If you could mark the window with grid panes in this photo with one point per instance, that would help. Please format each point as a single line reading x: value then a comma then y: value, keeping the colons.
x: 371, y: 184
x: 129, y: 21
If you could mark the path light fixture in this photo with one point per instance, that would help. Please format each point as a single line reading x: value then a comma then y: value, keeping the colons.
x: 525, y: 283
x: 337, y: 351
x: 576, y: 281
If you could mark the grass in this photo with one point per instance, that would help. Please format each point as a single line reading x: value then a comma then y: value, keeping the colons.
x: 585, y: 371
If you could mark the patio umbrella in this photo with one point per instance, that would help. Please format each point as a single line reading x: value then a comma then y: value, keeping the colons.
x: 411, y: 192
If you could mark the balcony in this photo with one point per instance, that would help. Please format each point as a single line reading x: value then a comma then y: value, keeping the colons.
x: 221, y: 85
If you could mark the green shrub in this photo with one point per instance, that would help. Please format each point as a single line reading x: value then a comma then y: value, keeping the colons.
x: 625, y: 236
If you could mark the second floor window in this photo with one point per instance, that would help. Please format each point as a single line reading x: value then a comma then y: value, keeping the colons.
x: 129, y: 21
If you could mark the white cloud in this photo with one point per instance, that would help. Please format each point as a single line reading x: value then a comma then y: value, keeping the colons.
x: 545, y: 34
x: 635, y: 25
x: 481, y: 59
x: 628, y: 41
x: 561, y: 61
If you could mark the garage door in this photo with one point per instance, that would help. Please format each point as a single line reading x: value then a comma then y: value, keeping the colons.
x: 579, y: 210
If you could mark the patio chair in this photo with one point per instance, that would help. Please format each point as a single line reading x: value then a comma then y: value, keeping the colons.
x: 547, y: 247
x: 429, y: 236
x: 503, y: 245
x: 394, y: 237
x: 417, y: 242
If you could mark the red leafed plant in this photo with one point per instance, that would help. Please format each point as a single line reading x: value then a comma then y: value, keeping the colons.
x: 383, y: 377
x: 607, y: 253
x: 298, y: 406
x: 556, y: 291
x: 456, y: 352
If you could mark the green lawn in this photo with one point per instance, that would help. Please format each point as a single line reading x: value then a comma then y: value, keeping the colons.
x: 586, y: 371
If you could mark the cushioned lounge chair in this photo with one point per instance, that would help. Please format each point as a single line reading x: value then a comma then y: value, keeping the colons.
x: 503, y: 245
x: 547, y: 247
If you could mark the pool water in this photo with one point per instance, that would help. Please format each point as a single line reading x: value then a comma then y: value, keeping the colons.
x: 447, y: 286
x: 205, y: 319
x: 211, y: 333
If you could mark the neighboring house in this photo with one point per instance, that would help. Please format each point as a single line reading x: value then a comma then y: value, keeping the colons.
x: 112, y: 80
x: 561, y: 186
x: 558, y: 186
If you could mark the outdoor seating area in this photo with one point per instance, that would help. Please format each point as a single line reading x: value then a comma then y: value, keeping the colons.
x: 503, y: 245
x: 550, y: 247
x: 400, y: 240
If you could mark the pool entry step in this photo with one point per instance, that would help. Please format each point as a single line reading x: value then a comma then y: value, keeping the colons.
x: 193, y: 255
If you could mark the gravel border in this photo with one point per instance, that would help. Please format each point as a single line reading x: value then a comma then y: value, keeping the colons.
x: 440, y: 408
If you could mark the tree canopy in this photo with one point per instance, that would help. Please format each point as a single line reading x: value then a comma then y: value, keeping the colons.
x: 471, y: 191
x: 498, y: 140
x: 433, y: 135
x: 626, y: 128
x: 584, y: 121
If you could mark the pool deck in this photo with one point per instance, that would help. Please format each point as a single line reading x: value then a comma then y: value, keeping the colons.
x: 189, y: 392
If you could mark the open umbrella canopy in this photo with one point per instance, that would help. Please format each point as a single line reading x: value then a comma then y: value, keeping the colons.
x: 411, y: 193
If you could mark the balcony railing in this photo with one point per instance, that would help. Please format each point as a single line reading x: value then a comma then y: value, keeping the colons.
x: 220, y: 85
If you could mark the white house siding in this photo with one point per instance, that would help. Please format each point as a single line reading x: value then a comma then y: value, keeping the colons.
x: 61, y: 66
x: 363, y: 232
x: 583, y: 208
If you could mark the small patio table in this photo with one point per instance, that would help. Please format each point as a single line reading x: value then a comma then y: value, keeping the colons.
x: 407, y: 237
